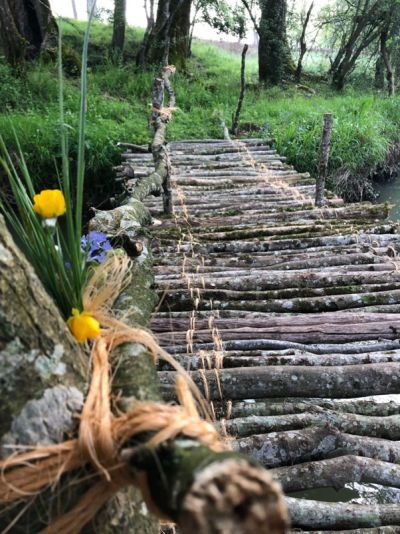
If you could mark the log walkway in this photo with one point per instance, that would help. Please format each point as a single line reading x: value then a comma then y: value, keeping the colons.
x: 288, y: 317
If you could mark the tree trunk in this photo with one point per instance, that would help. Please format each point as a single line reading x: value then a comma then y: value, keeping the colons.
x: 142, y: 55
x: 169, y: 39
x: 387, y: 62
x: 12, y: 43
x: 118, y: 36
x: 89, y: 6
x: 303, y: 43
x: 180, y: 35
x: 25, y: 26
x: 366, y: 27
x: 379, y: 73
x: 74, y: 10
x: 274, y: 58
x: 323, y: 160
x: 31, y: 356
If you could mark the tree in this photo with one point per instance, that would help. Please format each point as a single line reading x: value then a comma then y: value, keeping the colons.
x: 388, y: 50
x: 224, y: 17
x: 305, y: 19
x: 74, y: 10
x: 179, y: 50
x: 385, y: 55
x: 162, y: 37
x: 168, y: 38
x: 89, y: 5
x: 118, y: 36
x: 25, y: 28
x: 141, y: 57
x: 274, y: 58
x: 355, y: 26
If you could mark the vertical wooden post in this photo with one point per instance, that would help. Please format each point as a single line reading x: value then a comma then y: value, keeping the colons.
x: 323, y: 159
x: 167, y: 190
x: 160, y: 116
x: 236, y: 117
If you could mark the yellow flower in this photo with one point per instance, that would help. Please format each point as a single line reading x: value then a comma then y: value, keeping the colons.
x: 83, y: 325
x: 49, y: 203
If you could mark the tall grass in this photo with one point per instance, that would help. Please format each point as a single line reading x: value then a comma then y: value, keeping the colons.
x: 365, y: 123
x: 52, y: 246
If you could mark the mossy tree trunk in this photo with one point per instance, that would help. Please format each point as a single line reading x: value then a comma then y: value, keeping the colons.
x: 274, y: 59
x: 169, y: 41
x: 118, y: 36
x: 25, y: 27
x: 387, y: 62
x: 379, y: 81
x: 36, y: 349
x: 180, y: 36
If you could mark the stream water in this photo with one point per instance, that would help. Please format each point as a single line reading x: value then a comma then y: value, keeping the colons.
x: 390, y: 192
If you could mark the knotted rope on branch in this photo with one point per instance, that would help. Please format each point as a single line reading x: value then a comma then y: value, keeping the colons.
x: 102, y: 434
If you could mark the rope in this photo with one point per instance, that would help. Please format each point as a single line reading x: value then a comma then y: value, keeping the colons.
x: 101, y: 437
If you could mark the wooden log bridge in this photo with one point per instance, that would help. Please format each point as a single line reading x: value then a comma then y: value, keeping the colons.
x: 288, y: 317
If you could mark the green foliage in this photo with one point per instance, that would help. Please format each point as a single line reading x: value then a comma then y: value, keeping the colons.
x: 119, y: 99
x: 11, y: 89
x: 224, y: 17
x: 53, y: 247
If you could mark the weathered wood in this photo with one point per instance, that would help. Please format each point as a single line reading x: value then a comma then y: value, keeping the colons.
x: 126, y: 220
x: 336, y: 382
x: 239, y: 228
x: 316, y: 514
x: 216, y: 359
x: 359, y: 425
x: 337, y: 472
x: 378, y: 530
x: 285, y: 448
x: 229, y: 409
x: 323, y: 159
x: 356, y: 347
x: 236, y: 117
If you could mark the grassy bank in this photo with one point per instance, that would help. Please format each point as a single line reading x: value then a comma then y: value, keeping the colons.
x: 365, y: 124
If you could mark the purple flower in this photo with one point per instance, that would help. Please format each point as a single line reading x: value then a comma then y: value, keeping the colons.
x: 95, y: 245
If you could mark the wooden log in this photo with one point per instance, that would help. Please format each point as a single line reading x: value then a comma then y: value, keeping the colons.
x: 229, y: 409
x: 285, y: 448
x: 323, y: 159
x: 245, y: 246
x: 337, y: 382
x: 278, y: 280
x: 312, y: 304
x: 356, y: 347
x: 377, y: 530
x: 192, y: 160
x: 351, y: 257
x: 359, y: 425
x: 337, y: 472
x: 126, y: 220
x: 226, y: 318
x: 205, y: 360
x: 322, y: 515
x: 376, y: 211
x: 138, y: 148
